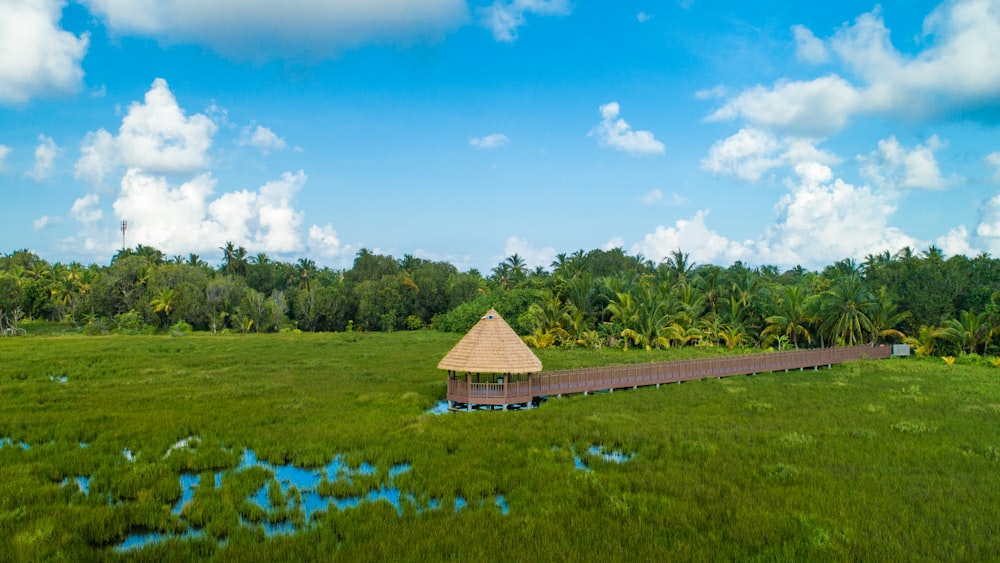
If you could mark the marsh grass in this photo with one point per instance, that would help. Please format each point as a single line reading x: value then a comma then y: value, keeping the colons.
x: 869, y: 461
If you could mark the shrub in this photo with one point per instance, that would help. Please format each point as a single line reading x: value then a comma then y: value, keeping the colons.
x: 181, y: 328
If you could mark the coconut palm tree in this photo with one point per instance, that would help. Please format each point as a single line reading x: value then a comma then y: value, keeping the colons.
x: 846, y: 308
x: 163, y: 302
x: 678, y: 267
x: 886, y: 316
x: 968, y: 331
x: 791, y: 319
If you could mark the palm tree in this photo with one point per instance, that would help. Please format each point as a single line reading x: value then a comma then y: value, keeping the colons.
x: 710, y: 279
x: 306, y: 270
x: 733, y: 335
x: 195, y: 260
x: 164, y: 303
x: 678, y: 267
x: 550, y: 316
x: 846, y: 308
x: 234, y: 259
x: 501, y: 274
x: 518, y: 268
x: 924, y: 343
x: 967, y: 332
x: 885, y: 316
x: 791, y: 319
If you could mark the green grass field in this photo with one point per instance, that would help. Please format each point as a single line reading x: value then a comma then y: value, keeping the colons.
x: 892, y: 460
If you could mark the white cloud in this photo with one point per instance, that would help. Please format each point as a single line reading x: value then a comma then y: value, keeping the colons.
x: 815, y: 107
x: 43, y: 222
x: 532, y: 256
x: 186, y: 218
x: 261, y: 29
x: 824, y: 220
x: 491, y: 141
x: 993, y: 159
x: 747, y: 155
x: 616, y: 242
x: 643, y: 17
x: 956, y: 71
x: 262, y: 139
x: 892, y: 166
x: 955, y: 242
x: 751, y: 152
x: 614, y: 132
x: 4, y: 151
x: 504, y: 17
x: 85, y: 209
x: 988, y: 229
x: 809, y: 48
x: 100, y: 157
x: 155, y: 136
x: 45, y: 158
x: 324, y: 242
x: 695, y: 238
x: 37, y: 57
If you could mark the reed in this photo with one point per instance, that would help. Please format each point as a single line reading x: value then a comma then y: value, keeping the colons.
x: 882, y: 460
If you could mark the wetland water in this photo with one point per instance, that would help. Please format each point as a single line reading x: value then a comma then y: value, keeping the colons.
x: 288, y: 490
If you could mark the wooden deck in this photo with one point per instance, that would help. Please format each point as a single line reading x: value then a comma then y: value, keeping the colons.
x: 467, y: 394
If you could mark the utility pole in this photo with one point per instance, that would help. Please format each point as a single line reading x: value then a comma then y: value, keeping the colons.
x: 124, y: 228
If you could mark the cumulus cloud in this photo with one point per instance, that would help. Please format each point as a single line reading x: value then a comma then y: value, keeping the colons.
x: 692, y: 235
x: 4, y: 151
x: 616, y: 242
x: 616, y: 133
x: 823, y: 220
x: 324, y: 242
x: 491, y: 141
x: 988, y: 229
x: 815, y: 107
x: 187, y: 218
x: 37, y: 57
x: 503, y: 18
x: 261, y: 29
x: 809, y: 48
x: 955, y: 242
x: 643, y: 17
x: 993, y: 159
x: 45, y: 158
x: 532, y: 256
x: 262, y: 139
x: 85, y: 209
x: 155, y: 136
x: 955, y: 71
x: 892, y: 166
x: 751, y: 153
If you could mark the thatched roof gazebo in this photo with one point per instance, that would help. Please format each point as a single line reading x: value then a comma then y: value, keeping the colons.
x: 495, y: 365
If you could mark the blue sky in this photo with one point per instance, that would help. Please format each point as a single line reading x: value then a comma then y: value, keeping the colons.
x: 771, y: 132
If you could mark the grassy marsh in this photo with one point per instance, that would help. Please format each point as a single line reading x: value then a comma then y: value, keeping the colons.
x: 877, y: 461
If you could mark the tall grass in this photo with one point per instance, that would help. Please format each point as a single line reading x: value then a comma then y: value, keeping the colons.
x: 883, y: 460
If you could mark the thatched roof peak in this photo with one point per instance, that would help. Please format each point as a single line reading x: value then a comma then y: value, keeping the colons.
x: 491, y: 346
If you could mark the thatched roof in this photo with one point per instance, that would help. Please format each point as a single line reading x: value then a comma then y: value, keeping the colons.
x: 491, y: 347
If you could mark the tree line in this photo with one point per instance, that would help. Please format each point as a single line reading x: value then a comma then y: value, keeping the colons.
x: 594, y: 299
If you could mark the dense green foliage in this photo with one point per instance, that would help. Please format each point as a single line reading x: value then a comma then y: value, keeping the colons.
x: 591, y: 299
x: 877, y: 461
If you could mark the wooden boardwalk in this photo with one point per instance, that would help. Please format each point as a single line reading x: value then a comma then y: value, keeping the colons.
x: 465, y: 394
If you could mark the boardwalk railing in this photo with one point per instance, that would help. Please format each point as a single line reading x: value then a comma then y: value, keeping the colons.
x: 609, y: 378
